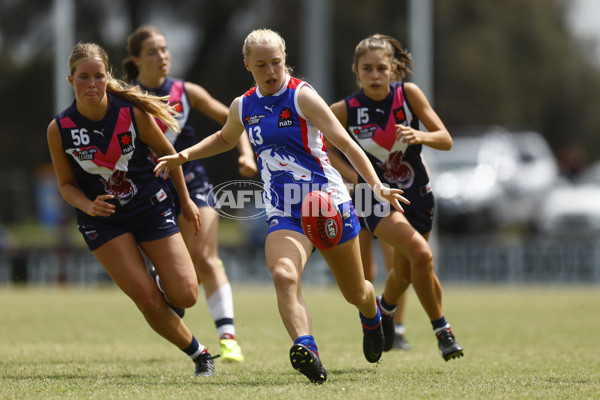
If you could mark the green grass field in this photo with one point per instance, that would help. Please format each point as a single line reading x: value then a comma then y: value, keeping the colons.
x: 91, y: 343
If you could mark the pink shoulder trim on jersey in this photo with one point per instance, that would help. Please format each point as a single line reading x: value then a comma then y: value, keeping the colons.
x: 176, y: 92
x: 353, y: 102
x: 388, y: 138
x: 398, y: 97
x: 124, y: 120
x: 113, y: 153
x: 66, y: 122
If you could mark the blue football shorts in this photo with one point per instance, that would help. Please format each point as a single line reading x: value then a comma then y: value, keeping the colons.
x: 349, y: 220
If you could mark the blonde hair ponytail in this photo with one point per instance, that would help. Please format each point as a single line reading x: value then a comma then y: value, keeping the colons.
x: 154, y: 105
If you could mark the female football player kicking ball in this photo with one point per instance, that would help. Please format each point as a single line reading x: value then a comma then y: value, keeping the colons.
x: 284, y: 118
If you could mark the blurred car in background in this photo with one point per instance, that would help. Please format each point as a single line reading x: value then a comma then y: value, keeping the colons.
x: 536, y: 177
x: 491, y: 178
x: 574, y: 206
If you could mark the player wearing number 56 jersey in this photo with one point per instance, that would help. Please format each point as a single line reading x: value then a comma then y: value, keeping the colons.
x: 99, y: 148
x: 108, y: 158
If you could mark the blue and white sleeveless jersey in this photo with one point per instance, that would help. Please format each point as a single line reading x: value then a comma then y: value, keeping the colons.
x: 291, y: 153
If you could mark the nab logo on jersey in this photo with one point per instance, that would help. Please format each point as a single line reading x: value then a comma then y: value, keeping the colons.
x: 399, y: 115
x: 126, y: 142
x: 285, y: 118
x: 177, y: 106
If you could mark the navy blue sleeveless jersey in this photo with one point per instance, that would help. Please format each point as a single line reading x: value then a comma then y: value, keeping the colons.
x: 108, y: 158
x: 372, y: 125
x: 291, y: 153
x: 193, y: 171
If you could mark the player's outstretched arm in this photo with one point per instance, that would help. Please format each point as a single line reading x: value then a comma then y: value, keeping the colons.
x: 219, y: 142
x: 316, y: 110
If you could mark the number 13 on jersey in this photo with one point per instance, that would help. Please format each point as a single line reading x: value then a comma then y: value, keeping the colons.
x: 254, y: 136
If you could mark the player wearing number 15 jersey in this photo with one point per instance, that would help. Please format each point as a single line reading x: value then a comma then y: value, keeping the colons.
x: 383, y: 117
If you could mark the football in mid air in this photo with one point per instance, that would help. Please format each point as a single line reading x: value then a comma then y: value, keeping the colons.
x: 321, y: 220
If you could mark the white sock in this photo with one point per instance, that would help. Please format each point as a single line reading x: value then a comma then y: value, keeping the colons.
x: 197, y: 353
x: 436, y: 331
x: 220, y: 306
x: 400, y: 329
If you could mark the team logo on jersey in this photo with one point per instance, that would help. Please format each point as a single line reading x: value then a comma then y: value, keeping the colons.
x: 364, y: 132
x: 397, y: 170
x: 161, y: 195
x: 121, y: 187
x: 85, y: 154
x: 254, y: 119
x: 285, y: 118
x: 126, y: 142
x: 399, y: 115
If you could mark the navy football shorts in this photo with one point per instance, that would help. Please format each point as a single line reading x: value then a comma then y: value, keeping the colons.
x: 419, y: 215
x: 146, y: 227
x: 200, y: 190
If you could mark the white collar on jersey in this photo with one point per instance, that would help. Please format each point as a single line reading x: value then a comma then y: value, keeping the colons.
x: 285, y: 85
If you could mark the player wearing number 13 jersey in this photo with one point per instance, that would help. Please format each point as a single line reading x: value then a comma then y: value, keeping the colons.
x: 286, y: 121
x: 291, y: 153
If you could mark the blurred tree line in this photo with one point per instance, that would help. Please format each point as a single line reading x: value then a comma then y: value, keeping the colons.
x: 510, y: 62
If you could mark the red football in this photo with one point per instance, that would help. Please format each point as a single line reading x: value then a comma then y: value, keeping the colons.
x: 321, y: 220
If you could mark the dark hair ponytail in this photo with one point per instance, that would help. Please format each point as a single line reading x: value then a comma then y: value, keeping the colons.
x: 399, y: 56
x: 130, y: 70
x: 134, y: 47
